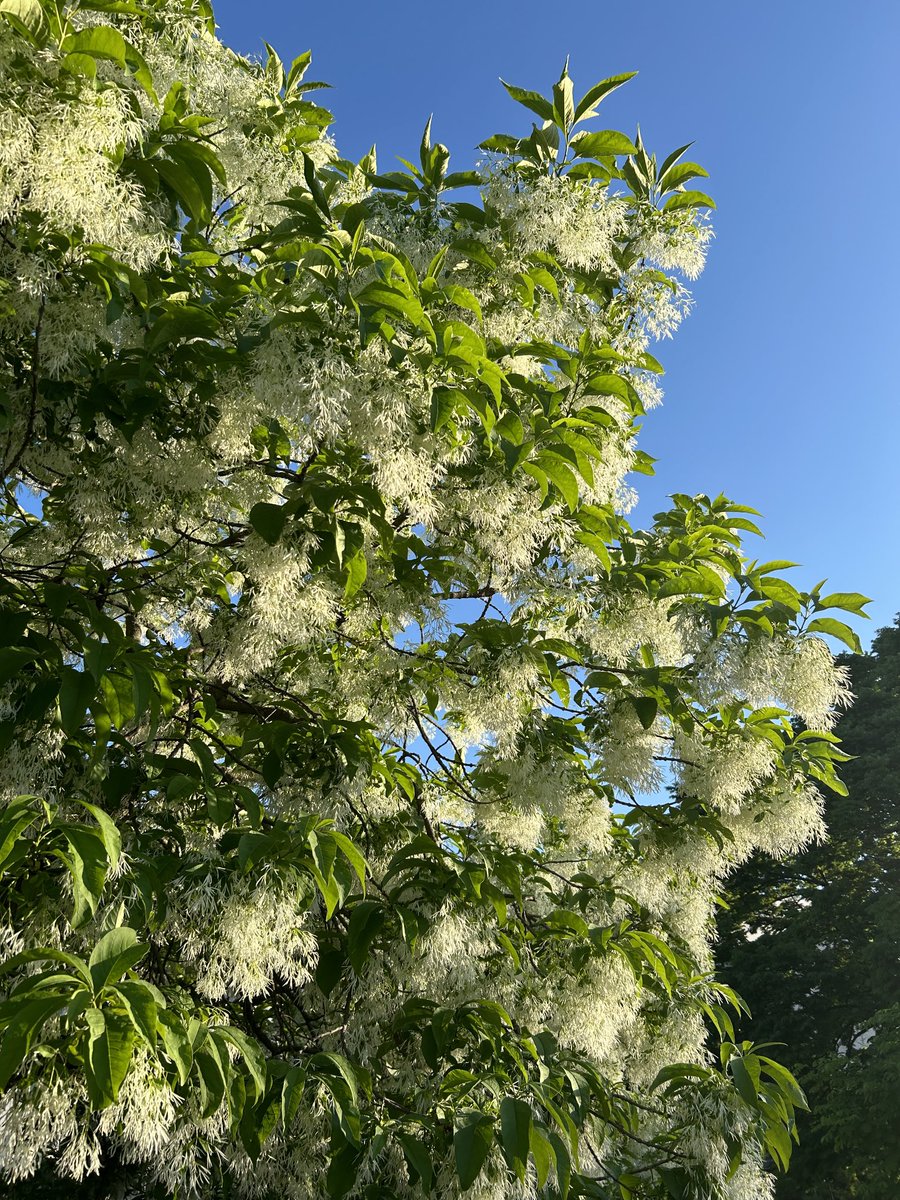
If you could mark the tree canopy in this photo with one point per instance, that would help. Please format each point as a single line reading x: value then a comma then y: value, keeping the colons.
x: 813, y: 944
x: 340, y: 696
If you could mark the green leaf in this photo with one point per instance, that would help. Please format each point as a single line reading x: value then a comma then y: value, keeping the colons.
x: 87, y: 864
x: 357, y: 569
x: 646, y: 708
x: 463, y: 298
x: 602, y: 144
x: 418, y: 1159
x: 113, y: 955
x: 688, y: 200
x: 785, y: 1081
x: 140, y: 1004
x: 564, y: 102
x: 268, y: 520
x: 18, y: 816
x: 560, y: 476
x: 681, y: 173
x: 471, y: 1144
x: 291, y: 1094
x: 181, y: 181
x: 510, y: 428
x: 515, y: 1133
x: 250, y: 1051
x: 587, y: 105
x: 563, y: 1162
x: 443, y: 407
x: 211, y: 1078
x: 352, y: 854
x: 532, y: 100
x: 97, y: 41
x: 394, y: 300
x: 836, y: 629
x: 20, y: 1032
x: 500, y: 143
x: 853, y: 602
x: 457, y: 179
x: 315, y: 186
x: 562, y: 918
x: 673, y: 158
x: 326, y: 1064
x: 744, y: 1081
x: 343, y: 1169
x: 176, y: 1042
x: 366, y: 921
x: 110, y: 1040
x: 109, y: 833
x: 26, y: 17
x: 542, y: 1152
x: 76, y: 692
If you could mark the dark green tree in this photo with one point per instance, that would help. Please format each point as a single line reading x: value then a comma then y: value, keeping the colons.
x: 813, y: 945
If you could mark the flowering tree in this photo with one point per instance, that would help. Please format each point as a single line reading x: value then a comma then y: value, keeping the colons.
x: 339, y: 695
x: 812, y: 944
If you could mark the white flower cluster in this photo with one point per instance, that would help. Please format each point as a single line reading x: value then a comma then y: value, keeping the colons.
x: 244, y: 939
x: 802, y: 675
x: 723, y: 769
x: 42, y: 1120
x: 576, y: 222
x: 62, y: 158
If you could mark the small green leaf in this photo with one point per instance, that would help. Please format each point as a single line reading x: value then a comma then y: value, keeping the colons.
x: 109, y: 832
x: 542, y: 1152
x: 110, y: 1040
x: 510, y: 428
x: 176, y: 1042
x: 418, y: 1159
x: 366, y: 922
x: 681, y: 173
x: 646, y: 708
x: 689, y: 200
x: 836, y: 629
x: 268, y: 520
x: 211, y: 1078
x: 97, y: 41
x: 357, y: 569
x: 463, y: 298
x: 26, y: 17
x: 500, y: 143
x: 561, y: 476
x: 587, y: 105
x: 744, y: 1080
x: 343, y: 1169
x: 471, y: 1144
x: 515, y: 1133
x: 113, y: 955
x: 352, y: 854
x: 20, y: 1031
x: 76, y: 692
x: 291, y: 1094
x: 251, y: 1053
x: 532, y: 100
x: 853, y: 602
x: 140, y: 1004
x: 443, y: 407
x: 602, y: 144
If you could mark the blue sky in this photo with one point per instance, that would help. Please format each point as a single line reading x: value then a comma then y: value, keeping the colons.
x: 781, y: 388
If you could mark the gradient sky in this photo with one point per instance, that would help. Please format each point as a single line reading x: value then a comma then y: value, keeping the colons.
x: 780, y: 388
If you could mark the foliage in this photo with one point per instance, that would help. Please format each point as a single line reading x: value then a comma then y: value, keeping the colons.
x: 339, y: 691
x: 821, y: 972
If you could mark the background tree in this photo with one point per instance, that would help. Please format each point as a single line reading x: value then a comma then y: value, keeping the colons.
x: 337, y: 686
x: 813, y: 945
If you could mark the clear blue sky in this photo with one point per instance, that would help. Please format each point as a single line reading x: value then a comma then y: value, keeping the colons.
x: 781, y: 388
